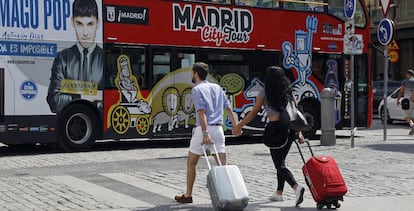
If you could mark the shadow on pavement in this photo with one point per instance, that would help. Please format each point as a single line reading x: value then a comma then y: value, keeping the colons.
x: 398, y: 147
x: 250, y: 207
x: 109, y: 145
x: 178, y: 208
x: 32, y: 149
x: 283, y: 207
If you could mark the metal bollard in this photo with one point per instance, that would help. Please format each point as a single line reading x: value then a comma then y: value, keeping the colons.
x: 328, y: 137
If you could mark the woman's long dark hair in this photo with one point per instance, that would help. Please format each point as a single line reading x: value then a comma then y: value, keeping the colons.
x: 277, y: 88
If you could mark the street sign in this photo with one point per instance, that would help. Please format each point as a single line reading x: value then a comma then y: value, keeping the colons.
x: 393, y: 56
x: 349, y: 8
x: 393, y: 45
x: 353, y: 44
x: 349, y: 26
x: 385, y: 5
x: 385, y: 31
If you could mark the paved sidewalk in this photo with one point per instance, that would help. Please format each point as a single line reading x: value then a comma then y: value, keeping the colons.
x: 379, y: 175
x: 382, y: 191
x: 400, y: 203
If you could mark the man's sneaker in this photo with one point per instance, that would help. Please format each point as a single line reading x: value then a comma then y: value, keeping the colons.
x: 182, y: 199
x: 411, y: 131
x: 276, y: 197
x: 299, y: 191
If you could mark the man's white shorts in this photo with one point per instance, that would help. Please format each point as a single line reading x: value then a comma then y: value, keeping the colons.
x: 216, y: 134
x: 410, y: 112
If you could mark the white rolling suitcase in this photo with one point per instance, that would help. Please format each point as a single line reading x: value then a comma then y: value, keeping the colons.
x: 226, y: 186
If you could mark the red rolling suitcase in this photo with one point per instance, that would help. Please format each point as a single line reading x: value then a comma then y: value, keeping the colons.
x: 324, y: 179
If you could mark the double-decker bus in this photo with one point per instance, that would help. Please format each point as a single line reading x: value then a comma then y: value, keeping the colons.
x: 139, y: 65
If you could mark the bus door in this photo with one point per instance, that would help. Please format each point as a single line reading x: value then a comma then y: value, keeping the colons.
x: 127, y: 108
x: 363, y: 111
x: 327, y: 72
x: 333, y: 71
x: 1, y: 95
x: 232, y: 69
x: 172, y: 108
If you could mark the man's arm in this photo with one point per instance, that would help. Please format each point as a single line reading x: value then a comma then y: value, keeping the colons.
x: 203, y: 124
x: 400, y: 94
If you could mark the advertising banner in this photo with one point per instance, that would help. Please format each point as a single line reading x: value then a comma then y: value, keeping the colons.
x: 41, y: 45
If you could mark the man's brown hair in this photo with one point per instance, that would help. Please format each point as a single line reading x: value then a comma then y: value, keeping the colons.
x: 202, y: 69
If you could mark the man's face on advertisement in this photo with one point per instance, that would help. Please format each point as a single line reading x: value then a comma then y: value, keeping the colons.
x: 85, y: 29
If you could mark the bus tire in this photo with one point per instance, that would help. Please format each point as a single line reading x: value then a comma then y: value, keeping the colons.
x: 313, y: 118
x: 77, y: 128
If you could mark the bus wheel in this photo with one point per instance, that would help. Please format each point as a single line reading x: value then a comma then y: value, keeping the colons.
x: 120, y: 119
x: 142, y: 125
x: 313, y: 122
x: 77, y: 128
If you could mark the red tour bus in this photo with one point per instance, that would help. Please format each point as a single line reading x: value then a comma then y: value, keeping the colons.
x: 133, y: 79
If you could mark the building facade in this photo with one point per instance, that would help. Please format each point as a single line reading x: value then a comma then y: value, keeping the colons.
x: 402, y: 48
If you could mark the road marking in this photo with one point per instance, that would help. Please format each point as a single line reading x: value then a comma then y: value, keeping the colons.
x: 151, y: 187
x: 101, y: 193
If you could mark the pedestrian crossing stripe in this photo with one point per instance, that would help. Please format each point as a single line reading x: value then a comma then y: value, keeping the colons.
x: 100, y: 192
x: 151, y: 187
x: 126, y: 203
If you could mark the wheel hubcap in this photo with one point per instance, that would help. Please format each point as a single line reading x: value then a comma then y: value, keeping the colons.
x: 78, y: 128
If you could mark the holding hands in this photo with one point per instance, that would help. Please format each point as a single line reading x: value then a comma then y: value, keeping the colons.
x: 237, y: 130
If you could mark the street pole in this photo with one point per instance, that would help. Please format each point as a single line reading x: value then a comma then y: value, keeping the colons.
x: 349, y: 12
x: 385, y: 33
x: 352, y: 101
x: 386, y: 64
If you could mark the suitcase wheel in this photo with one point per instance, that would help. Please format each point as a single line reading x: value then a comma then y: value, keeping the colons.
x: 336, y: 204
x: 319, y: 206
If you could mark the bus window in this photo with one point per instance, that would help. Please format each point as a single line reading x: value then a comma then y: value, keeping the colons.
x: 306, y: 5
x: 319, y: 64
x: 215, y: 1
x: 299, y: 6
x: 160, y: 66
x: 259, y: 3
x: 186, y: 59
x: 136, y: 58
x: 222, y: 1
x: 138, y: 69
x: 267, y: 3
x: 319, y: 8
x: 242, y: 2
x: 226, y: 63
x: 336, y: 8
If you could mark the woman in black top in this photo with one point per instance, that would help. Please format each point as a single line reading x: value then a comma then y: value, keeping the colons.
x: 274, y: 99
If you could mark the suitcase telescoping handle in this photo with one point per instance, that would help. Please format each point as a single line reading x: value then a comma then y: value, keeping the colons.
x: 300, y: 151
x: 215, y: 153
